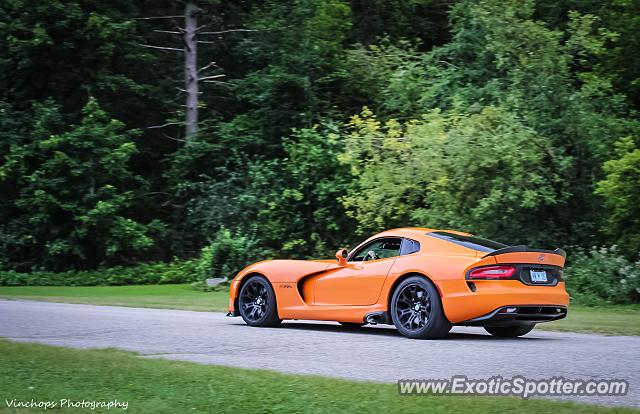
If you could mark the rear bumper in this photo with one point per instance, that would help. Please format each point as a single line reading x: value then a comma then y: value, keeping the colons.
x: 462, y: 304
x: 518, y: 315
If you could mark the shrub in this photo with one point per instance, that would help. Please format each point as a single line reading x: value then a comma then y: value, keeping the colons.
x: 602, y: 276
x: 227, y: 254
x: 142, y: 274
x: 620, y: 193
x: 201, y: 286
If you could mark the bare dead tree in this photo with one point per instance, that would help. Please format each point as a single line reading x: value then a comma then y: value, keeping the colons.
x: 191, y: 67
x: 192, y: 74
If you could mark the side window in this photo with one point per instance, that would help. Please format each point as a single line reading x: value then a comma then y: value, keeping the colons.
x: 409, y: 246
x: 378, y: 249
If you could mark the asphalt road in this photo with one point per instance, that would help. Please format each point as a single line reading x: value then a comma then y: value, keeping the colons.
x: 371, y: 353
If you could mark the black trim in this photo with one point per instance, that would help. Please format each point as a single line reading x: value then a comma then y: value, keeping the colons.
x: 470, y: 242
x: 302, y: 281
x: 524, y: 314
x: 522, y: 249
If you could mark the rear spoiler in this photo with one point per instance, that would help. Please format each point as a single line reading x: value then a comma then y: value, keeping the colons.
x: 523, y: 248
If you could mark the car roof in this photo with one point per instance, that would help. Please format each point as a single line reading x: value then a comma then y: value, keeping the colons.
x: 435, y: 245
x: 414, y: 231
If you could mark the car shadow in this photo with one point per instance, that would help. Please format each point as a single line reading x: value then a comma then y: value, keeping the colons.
x: 390, y: 331
x: 367, y: 330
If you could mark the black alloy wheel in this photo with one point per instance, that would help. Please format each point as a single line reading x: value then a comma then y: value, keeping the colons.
x: 416, y: 310
x: 413, y: 307
x: 257, y: 303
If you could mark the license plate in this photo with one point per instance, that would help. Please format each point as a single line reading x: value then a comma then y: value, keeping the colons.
x: 538, y: 276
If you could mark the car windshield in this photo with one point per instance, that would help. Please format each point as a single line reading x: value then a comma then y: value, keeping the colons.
x: 471, y: 242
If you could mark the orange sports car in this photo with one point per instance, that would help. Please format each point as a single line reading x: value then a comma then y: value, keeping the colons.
x: 421, y: 280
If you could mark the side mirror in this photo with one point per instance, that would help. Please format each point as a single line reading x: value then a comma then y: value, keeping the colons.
x: 341, y: 255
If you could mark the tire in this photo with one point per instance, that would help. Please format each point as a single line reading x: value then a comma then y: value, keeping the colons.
x: 351, y: 325
x: 257, y: 303
x: 509, y: 331
x: 416, y: 310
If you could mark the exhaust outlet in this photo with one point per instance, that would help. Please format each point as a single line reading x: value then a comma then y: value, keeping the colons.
x: 376, y: 318
x: 372, y: 320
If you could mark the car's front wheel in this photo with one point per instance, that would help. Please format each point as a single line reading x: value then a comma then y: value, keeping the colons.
x: 257, y: 303
x: 509, y: 331
x: 416, y: 310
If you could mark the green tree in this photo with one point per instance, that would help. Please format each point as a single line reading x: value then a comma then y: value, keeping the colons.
x: 297, y: 48
x: 74, y: 195
x: 621, y: 192
x: 67, y: 50
x: 620, y: 60
x: 500, y: 117
x: 485, y: 173
x: 291, y: 205
x: 550, y: 78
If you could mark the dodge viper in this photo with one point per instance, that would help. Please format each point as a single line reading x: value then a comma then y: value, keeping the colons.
x: 421, y: 280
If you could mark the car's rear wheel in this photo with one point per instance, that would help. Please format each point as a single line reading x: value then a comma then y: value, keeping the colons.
x: 509, y: 331
x: 257, y: 303
x: 416, y: 310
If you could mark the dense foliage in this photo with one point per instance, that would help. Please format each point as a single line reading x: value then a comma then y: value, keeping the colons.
x: 142, y: 274
x: 73, y: 190
x: 600, y: 276
x: 516, y: 120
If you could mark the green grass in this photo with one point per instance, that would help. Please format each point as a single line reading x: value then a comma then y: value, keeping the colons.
x: 160, y: 386
x: 144, y: 296
x: 615, y: 320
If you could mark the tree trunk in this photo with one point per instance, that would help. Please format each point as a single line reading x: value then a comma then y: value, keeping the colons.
x: 191, y: 68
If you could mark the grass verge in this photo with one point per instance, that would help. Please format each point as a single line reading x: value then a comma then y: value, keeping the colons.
x: 615, y: 320
x: 141, y: 296
x: 46, y: 373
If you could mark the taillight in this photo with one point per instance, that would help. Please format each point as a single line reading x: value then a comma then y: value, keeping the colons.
x: 492, y: 272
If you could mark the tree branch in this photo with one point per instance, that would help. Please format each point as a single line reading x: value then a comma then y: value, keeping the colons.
x: 164, y: 125
x: 175, y: 139
x: 185, y: 91
x: 161, y: 47
x: 210, y: 65
x: 210, y: 77
x: 167, y: 31
x: 226, y: 31
x: 218, y: 82
x: 158, y: 17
